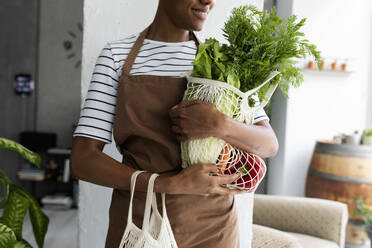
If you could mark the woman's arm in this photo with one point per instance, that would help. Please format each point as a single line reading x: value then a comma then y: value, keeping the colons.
x: 259, y: 138
x: 197, y: 119
x: 89, y: 163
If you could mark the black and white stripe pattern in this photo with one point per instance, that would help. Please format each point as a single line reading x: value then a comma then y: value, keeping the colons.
x: 154, y: 58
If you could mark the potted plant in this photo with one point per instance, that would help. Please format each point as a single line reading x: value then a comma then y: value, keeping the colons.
x: 365, y: 212
x: 367, y: 137
x: 15, y: 204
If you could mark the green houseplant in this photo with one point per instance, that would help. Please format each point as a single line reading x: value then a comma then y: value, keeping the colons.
x: 367, y: 137
x: 15, y: 204
x: 365, y: 212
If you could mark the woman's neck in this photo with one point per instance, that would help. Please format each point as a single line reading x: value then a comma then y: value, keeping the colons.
x: 162, y: 29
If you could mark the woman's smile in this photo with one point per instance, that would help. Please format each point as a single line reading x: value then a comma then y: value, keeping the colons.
x: 200, y: 13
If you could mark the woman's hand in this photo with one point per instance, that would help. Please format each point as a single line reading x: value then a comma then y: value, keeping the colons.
x: 199, y: 179
x: 195, y: 120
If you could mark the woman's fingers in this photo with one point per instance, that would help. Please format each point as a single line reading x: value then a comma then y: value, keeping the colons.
x: 220, y: 180
x: 177, y: 110
x: 212, y: 170
x: 227, y: 191
x: 186, y: 103
x: 227, y: 179
x: 204, y: 179
x: 208, y: 168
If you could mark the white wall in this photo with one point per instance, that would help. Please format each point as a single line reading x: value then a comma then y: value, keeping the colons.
x: 369, y: 115
x: 102, y: 23
x: 327, y: 102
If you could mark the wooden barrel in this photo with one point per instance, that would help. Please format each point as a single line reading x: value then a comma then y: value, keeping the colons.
x: 340, y: 172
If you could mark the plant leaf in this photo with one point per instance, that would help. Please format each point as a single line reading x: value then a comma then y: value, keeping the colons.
x: 203, y: 63
x: 7, y: 236
x: 39, y: 220
x: 32, y: 157
x: 233, y: 79
x: 22, y: 244
x: 363, y: 210
x: 261, y: 42
x: 15, y: 212
x: 5, y: 185
x: 2, y: 175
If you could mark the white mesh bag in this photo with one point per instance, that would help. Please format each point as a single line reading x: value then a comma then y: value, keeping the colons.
x: 252, y: 167
x: 156, y: 230
x: 234, y: 103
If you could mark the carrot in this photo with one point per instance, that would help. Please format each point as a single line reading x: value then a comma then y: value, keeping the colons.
x: 223, y: 158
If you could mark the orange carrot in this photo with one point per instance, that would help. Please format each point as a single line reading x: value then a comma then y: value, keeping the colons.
x: 224, y: 158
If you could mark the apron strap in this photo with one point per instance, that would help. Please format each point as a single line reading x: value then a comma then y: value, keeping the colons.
x: 134, y: 51
x: 195, y: 38
x: 137, y: 46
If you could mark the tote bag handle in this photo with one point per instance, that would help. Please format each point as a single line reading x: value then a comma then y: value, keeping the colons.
x: 132, y: 186
x: 149, y: 199
x: 154, y: 204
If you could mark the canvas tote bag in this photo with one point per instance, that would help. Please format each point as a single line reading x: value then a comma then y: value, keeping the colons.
x: 156, y: 230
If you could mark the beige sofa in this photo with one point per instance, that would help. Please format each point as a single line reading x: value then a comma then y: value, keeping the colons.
x: 294, y: 222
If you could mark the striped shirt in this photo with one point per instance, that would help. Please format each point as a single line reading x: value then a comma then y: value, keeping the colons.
x: 154, y: 58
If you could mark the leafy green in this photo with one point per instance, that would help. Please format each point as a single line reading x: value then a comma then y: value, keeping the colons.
x: 211, y: 61
x: 260, y: 42
x: 211, y: 144
x: 195, y: 149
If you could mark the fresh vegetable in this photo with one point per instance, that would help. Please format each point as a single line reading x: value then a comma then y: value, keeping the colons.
x: 223, y: 159
x: 250, y: 165
x: 260, y: 42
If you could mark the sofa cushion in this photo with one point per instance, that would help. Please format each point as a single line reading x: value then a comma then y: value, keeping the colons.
x: 307, y: 241
x: 266, y: 237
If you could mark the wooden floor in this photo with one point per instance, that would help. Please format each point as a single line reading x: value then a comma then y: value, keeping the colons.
x: 62, y: 231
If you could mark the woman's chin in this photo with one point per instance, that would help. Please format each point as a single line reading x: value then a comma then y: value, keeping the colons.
x: 197, y: 26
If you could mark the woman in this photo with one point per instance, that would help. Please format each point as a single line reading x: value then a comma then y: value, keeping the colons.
x: 136, y: 91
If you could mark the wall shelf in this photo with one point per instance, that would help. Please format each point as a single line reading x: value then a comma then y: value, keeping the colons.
x: 328, y: 71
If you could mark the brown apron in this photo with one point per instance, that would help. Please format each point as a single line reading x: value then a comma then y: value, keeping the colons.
x: 142, y: 130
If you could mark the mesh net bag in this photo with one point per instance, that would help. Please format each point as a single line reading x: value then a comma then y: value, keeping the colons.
x: 234, y: 103
x: 252, y: 167
x: 156, y: 230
